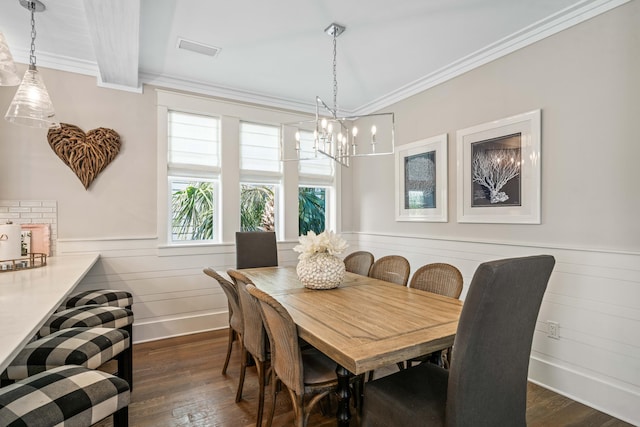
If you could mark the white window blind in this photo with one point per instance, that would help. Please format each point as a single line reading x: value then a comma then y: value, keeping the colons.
x: 320, y: 166
x: 194, y: 143
x: 260, y: 148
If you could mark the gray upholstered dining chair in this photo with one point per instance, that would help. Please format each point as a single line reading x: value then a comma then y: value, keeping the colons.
x: 486, y: 384
x: 236, y: 324
x: 254, y: 340
x: 359, y: 262
x: 256, y: 249
x: 303, y: 373
x: 391, y: 268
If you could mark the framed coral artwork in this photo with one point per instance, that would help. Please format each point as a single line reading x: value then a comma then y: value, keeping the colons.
x: 498, y: 171
x: 421, y: 180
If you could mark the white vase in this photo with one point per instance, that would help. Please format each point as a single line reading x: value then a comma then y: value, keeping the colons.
x: 321, y: 271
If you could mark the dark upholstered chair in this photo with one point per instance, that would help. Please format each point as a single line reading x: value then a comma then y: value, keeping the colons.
x: 392, y: 268
x: 66, y: 395
x: 236, y: 326
x: 256, y: 249
x: 304, y: 373
x: 254, y: 339
x: 359, y: 262
x: 486, y: 384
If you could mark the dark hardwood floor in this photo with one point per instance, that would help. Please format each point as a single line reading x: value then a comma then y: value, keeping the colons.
x: 178, y: 383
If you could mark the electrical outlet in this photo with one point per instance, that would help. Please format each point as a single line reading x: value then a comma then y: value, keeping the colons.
x: 553, y: 330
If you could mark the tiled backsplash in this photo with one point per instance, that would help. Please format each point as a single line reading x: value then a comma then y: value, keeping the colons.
x: 32, y: 212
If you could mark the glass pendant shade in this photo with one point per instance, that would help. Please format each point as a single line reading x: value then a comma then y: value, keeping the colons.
x: 31, y: 106
x: 8, y: 72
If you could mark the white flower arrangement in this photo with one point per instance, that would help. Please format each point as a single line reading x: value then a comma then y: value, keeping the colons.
x: 325, y: 242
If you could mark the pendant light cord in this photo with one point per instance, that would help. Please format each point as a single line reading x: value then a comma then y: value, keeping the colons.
x: 335, y: 76
x: 32, y: 54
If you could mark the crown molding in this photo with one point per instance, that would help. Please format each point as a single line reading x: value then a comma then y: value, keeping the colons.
x: 549, y: 26
x: 227, y: 92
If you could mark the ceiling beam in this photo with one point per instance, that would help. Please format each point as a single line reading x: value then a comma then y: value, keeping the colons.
x: 114, y: 27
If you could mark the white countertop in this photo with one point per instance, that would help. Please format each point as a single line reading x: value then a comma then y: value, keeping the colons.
x: 28, y: 297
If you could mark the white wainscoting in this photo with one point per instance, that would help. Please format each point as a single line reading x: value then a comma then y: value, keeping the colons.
x: 593, y: 295
x: 172, y: 296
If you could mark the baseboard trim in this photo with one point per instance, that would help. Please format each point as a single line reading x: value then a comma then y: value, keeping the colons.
x: 596, y: 393
x: 169, y: 328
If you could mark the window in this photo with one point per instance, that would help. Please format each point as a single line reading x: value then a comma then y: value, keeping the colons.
x: 311, y: 209
x: 316, y: 177
x: 220, y: 170
x: 320, y: 167
x: 261, y: 176
x: 193, y: 173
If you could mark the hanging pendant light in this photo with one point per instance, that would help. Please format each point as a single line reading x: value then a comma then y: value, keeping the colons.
x: 31, y: 105
x: 342, y: 137
x: 8, y: 73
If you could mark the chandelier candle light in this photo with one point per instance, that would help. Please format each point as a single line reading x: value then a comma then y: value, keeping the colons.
x: 342, y: 138
x: 318, y: 266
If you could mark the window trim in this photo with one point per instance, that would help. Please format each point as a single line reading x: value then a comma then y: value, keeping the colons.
x: 230, y: 114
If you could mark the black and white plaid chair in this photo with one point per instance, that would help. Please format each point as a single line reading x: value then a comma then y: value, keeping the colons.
x: 89, y: 316
x: 69, y: 396
x: 111, y: 297
x: 88, y: 347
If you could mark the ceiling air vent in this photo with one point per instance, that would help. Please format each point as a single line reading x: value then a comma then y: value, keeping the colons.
x: 198, y: 47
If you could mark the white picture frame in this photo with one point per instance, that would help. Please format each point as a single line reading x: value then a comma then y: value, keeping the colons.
x: 503, y: 155
x: 421, y: 180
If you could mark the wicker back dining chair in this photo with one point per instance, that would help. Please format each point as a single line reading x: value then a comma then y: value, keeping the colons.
x: 487, y: 382
x: 391, y: 268
x: 359, y: 262
x: 256, y: 249
x: 439, y: 278
x: 303, y: 373
x: 442, y: 279
x: 236, y: 323
x: 254, y: 339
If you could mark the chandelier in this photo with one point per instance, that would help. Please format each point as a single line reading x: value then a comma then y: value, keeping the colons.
x: 341, y: 138
x: 31, y: 105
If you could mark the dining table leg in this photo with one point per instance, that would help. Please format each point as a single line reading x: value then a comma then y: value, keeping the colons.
x: 344, y: 396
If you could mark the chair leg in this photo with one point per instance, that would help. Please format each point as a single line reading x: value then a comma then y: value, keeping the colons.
x: 298, y: 409
x: 274, y: 396
x: 260, y: 366
x: 229, y: 345
x: 243, y: 370
x: 446, y: 357
x: 370, y: 376
x: 125, y: 366
x: 121, y: 417
x: 358, y: 392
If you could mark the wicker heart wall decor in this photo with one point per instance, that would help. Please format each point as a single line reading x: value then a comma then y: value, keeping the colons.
x: 87, y: 154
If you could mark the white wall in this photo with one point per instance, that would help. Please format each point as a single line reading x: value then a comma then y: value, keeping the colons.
x: 584, y: 79
x: 122, y: 200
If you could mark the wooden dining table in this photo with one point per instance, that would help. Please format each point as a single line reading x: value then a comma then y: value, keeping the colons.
x: 363, y: 324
